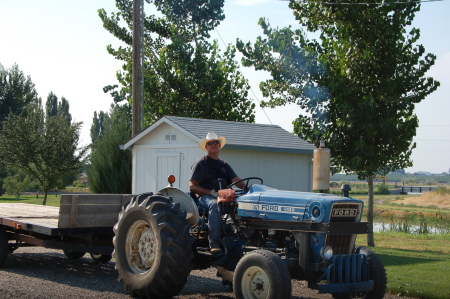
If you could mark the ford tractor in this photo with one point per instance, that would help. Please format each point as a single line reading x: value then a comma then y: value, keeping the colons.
x: 269, y: 237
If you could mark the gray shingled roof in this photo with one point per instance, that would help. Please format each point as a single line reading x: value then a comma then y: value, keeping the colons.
x: 246, y: 136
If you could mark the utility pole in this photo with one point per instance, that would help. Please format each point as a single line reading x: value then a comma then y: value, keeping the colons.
x: 138, y: 78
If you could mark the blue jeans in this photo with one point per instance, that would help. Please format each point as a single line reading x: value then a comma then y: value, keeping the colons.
x: 214, y: 225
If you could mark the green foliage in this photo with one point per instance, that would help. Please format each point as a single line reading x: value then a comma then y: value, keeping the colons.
x: 442, y: 190
x: 44, y: 148
x: 110, y: 167
x: 17, y: 182
x: 98, y: 125
x: 16, y: 91
x: 184, y: 73
x: 51, y: 105
x: 358, y: 84
x: 382, y: 189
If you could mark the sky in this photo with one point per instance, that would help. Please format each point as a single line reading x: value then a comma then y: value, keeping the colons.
x: 61, y: 45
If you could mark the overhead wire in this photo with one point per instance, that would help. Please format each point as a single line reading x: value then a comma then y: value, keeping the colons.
x: 251, y: 88
x: 362, y: 3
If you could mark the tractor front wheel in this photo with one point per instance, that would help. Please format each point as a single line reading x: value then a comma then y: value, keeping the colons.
x: 262, y: 274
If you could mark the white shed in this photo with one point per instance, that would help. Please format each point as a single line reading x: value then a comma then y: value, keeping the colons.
x: 170, y: 146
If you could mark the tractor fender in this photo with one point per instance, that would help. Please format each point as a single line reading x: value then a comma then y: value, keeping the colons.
x: 186, y: 203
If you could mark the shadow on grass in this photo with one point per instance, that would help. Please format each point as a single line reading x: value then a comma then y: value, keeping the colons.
x: 399, y: 257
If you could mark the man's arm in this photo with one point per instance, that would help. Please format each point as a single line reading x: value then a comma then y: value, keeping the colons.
x: 241, y: 184
x: 195, y: 187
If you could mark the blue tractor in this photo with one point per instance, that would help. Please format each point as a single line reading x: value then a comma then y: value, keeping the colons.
x: 269, y: 237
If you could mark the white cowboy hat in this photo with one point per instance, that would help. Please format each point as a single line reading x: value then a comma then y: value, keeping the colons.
x: 211, y: 136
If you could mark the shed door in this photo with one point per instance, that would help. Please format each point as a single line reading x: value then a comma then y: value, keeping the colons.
x: 166, y: 164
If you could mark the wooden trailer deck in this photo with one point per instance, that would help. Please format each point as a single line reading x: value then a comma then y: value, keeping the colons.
x: 38, y: 218
x: 77, y: 214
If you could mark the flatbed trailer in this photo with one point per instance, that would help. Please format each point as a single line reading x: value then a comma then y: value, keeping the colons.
x: 82, y: 224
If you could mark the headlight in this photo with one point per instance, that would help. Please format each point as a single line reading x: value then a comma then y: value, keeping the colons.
x: 362, y: 250
x: 326, y: 252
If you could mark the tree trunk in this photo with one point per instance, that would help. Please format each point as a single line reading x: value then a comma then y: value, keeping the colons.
x: 370, y: 238
x: 44, y: 201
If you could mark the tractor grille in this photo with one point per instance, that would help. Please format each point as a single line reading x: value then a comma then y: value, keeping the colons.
x: 343, y: 212
x: 351, y: 268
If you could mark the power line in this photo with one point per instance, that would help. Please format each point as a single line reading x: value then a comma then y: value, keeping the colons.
x: 256, y: 98
x: 430, y: 140
x: 362, y: 3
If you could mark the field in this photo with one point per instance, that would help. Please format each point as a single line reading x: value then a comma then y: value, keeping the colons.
x: 417, y: 265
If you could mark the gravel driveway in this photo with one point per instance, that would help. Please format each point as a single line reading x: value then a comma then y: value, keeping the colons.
x: 36, y: 272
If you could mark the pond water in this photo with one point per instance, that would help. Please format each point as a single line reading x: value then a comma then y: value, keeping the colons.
x: 405, y: 227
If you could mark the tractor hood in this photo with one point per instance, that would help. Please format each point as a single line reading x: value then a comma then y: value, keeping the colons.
x: 265, y: 202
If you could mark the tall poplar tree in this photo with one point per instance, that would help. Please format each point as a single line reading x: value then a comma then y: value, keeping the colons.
x: 359, y: 81
x: 16, y: 91
x: 184, y: 73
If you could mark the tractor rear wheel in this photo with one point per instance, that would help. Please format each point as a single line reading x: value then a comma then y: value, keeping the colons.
x: 153, y: 247
x: 262, y: 274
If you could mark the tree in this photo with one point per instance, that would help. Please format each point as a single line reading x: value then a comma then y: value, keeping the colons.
x: 110, y: 167
x: 16, y: 91
x: 43, y: 147
x: 358, y: 84
x: 98, y: 125
x: 17, y: 182
x: 63, y: 110
x: 185, y: 74
x: 51, y: 105
x: 54, y: 107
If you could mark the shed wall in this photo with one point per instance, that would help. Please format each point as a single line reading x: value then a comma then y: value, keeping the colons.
x: 166, y: 150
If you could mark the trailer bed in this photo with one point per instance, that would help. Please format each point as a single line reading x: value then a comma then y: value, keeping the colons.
x: 77, y: 214
x: 37, y: 218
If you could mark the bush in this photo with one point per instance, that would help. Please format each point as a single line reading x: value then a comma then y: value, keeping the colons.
x: 382, y: 189
x: 442, y: 190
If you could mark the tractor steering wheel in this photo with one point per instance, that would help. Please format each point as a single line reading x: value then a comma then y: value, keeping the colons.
x: 246, y: 184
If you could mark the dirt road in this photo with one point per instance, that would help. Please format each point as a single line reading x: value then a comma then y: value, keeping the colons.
x: 36, y: 273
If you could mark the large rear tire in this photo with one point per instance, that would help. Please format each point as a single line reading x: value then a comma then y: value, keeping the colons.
x: 4, y: 246
x: 153, y: 247
x: 262, y: 274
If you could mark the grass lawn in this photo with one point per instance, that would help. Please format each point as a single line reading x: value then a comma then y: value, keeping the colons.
x: 52, y: 200
x: 416, y: 265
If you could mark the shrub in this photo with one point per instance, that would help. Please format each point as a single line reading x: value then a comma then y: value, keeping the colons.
x: 382, y: 189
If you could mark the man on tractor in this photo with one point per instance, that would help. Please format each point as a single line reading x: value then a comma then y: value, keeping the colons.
x: 209, y: 175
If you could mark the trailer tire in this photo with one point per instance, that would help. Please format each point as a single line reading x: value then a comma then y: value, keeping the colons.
x: 262, y: 274
x: 73, y: 255
x: 377, y: 274
x: 4, y: 246
x: 153, y: 247
x: 100, y: 258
